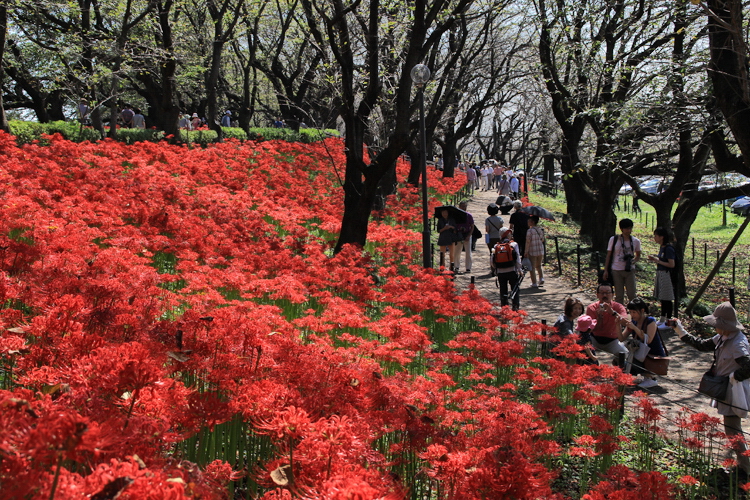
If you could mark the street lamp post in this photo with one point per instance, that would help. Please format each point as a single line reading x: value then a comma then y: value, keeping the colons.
x: 419, y: 75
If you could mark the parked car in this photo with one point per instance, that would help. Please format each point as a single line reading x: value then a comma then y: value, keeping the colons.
x: 741, y: 206
x: 652, y: 186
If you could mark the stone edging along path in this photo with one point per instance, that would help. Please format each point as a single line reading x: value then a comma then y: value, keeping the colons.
x: 675, y: 391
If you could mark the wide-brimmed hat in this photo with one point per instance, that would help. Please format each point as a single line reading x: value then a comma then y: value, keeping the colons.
x: 585, y: 323
x: 724, y: 317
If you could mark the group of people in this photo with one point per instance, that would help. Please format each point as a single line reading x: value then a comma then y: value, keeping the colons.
x: 608, y: 326
x: 132, y: 118
x: 128, y: 117
x: 190, y: 122
x: 629, y: 332
x: 620, y: 266
x: 527, y: 240
x: 522, y: 239
x: 490, y: 174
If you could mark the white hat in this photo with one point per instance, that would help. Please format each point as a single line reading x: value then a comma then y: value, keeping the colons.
x: 195, y: 115
x: 227, y: 112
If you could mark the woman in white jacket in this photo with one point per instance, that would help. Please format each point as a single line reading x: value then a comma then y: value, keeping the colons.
x: 731, y: 359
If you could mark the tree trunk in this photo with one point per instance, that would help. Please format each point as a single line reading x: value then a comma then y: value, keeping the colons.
x: 169, y: 109
x: 449, y: 156
x: 728, y: 68
x: 415, y: 168
x: 212, y: 90
x: 3, y: 31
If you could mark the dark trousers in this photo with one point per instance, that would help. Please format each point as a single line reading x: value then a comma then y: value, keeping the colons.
x: 506, y: 280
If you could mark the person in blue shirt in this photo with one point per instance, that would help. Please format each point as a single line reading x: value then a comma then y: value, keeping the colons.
x: 226, y: 120
x: 643, y: 328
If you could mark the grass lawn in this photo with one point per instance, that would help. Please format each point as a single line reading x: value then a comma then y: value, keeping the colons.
x: 708, y: 238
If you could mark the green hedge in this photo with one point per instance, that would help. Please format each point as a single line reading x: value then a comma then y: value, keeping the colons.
x: 133, y: 135
x: 305, y: 135
x: 27, y: 132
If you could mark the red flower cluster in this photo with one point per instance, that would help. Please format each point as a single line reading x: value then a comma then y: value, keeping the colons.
x: 173, y: 323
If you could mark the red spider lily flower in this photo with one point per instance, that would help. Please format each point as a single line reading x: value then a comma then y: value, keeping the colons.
x: 688, y: 480
x: 693, y: 443
x: 622, y: 483
x: 649, y: 413
x: 292, y: 423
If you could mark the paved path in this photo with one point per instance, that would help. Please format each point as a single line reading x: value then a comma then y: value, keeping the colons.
x: 676, y: 390
x: 544, y: 303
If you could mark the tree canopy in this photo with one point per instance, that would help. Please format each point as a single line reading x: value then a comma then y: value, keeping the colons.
x: 611, y: 89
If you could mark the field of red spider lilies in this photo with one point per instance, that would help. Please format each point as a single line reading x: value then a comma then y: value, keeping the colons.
x: 173, y: 324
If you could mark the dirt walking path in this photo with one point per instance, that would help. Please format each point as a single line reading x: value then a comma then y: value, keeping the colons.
x: 675, y: 391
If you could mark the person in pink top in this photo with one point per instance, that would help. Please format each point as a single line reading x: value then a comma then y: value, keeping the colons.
x: 607, y: 334
x: 497, y: 173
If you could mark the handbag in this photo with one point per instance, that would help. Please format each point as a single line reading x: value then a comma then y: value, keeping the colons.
x: 658, y: 365
x: 641, y: 350
x: 711, y: 385
x: 714, y: 386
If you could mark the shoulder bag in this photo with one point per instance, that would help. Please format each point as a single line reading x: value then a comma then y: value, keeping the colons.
x: 714, y: 386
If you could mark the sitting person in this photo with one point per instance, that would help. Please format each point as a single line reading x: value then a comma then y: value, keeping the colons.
x: 565, y: 323
x: 584, y: 326
x: 606, y: 334
x: 643, y: 328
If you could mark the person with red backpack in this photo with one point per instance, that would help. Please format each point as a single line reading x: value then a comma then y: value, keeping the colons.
x: 506, y: 266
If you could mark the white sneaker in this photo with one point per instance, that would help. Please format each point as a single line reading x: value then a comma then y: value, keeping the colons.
x: 534, y: 285
x: 648, y: 383
x: 662, y: 326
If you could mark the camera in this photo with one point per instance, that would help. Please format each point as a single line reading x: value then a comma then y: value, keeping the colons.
x: 628, y: 258
x: 671, y: 322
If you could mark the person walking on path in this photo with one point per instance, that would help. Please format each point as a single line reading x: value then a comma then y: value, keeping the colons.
x: 623, y: 252
x: 497, y: 174
x: 605, y: 336
x: 731, y: 359
x: 514, y: 185
x: 504, y: 186
x: 665, y: 264
x: 464, y: 231
x: 471, y: 178
x: 535, y: 250
x: 519, y: 224
x: 446, y: 228
x: 509, y: 272
x: 488, y: 178
x: 492, y: 226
